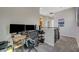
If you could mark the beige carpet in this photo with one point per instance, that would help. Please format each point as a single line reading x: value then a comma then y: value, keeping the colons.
x: 67, y: 44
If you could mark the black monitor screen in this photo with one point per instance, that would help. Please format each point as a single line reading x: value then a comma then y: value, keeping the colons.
x: 16, y: 28
x: 30, y: 27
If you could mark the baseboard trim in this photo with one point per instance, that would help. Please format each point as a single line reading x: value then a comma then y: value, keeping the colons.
x: 50, y: 44
x: 67, y: 36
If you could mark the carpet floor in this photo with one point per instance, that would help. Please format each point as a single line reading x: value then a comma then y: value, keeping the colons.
x: 64, y: 44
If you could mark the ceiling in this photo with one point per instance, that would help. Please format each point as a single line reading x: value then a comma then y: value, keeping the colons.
x: 47, y: 10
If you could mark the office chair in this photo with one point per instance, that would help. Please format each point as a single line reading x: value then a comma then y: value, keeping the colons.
x: 33, y: 42
x: 34, y: 36
x: 31, y: 45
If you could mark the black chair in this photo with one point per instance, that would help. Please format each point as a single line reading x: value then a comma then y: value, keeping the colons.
x: 34, y: 35
x: 31, y: 45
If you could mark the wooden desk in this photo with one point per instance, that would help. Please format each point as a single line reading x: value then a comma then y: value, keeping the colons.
x: 18, y: 41
x: 18, y: 38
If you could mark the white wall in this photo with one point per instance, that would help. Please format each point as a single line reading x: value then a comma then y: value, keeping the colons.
x: 49, y: 36
x: 49, y: 32
x: 77, y: 29
x: 70, y: 22
x: 46, y: 20
x: 70, y: 27
x: 18, y: 15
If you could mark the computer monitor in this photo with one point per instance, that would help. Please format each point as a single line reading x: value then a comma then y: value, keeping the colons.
x: 17, y: 28
x: 30, y: 27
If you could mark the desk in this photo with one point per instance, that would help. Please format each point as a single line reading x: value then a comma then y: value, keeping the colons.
x: 19, y: 37
x: 18, y: 41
